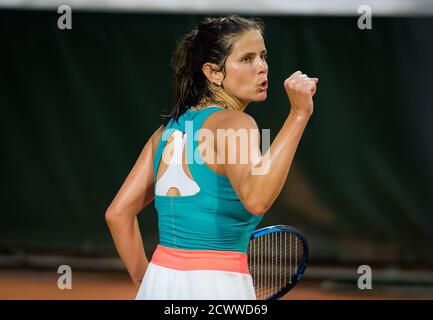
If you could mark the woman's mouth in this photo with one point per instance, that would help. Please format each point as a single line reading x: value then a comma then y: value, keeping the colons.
x: 264, y: 85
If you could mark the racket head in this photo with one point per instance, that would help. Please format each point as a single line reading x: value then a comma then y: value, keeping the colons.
x: 303, y: 258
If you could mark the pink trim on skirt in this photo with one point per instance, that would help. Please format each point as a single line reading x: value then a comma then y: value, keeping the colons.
x: 181, y: 259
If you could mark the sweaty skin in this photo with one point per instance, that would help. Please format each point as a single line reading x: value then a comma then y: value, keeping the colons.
x: 245, y: 81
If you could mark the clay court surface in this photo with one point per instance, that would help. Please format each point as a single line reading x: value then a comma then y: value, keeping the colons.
x: 94, y: 285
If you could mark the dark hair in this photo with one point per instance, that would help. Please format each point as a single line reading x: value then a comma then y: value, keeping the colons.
x: 211, y: 41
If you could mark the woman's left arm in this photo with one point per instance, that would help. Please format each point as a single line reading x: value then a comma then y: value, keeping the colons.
x: 135, y: 194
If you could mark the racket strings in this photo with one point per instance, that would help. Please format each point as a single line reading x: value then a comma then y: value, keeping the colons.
x: 274, y: 260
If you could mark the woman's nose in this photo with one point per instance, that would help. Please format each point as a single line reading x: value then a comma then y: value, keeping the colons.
x: 263, y: 66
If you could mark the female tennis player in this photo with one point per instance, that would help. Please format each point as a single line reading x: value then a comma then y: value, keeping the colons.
x: 208, y: 208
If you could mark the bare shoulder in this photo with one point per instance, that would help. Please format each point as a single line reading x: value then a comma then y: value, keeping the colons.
x: 156, y: 137
x: 232, y: 119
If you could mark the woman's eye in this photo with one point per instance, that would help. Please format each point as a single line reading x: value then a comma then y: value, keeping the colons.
x: 248, y: 59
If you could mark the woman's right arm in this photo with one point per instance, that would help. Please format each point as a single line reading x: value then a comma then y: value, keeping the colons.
x: 259, y: 181
x: 134, y: 195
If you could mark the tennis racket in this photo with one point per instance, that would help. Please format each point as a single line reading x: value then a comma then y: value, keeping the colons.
x: 277, y: 258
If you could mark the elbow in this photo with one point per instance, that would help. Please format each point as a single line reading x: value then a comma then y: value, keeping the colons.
x: 111, y: 214
x: 254, y: 204
x: 108, y: 216
x: 116, y: 214
x: 257, y: 208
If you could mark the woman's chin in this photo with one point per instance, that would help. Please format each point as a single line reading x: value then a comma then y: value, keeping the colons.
x: 262, y: 96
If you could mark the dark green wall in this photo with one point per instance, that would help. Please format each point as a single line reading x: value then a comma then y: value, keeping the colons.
x: 78, y: 106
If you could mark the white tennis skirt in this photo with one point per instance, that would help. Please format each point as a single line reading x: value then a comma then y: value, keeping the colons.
x: 177, y: 274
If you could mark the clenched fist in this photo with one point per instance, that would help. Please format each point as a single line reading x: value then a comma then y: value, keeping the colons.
x: 300, y: 90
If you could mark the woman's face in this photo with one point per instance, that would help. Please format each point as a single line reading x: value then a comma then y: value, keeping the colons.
x: 246, y: 68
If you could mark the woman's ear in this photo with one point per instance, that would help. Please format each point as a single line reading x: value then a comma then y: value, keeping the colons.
x: 211, y: 73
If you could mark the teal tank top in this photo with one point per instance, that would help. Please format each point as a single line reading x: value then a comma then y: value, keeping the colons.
x: 212, y: 219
